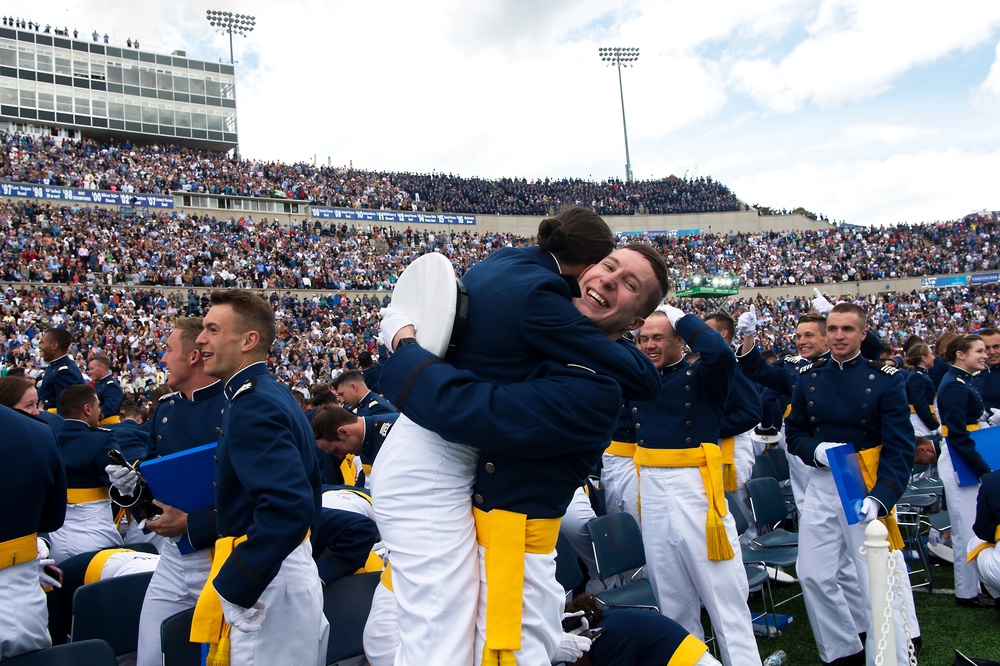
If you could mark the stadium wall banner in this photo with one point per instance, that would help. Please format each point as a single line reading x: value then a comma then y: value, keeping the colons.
x: 948, y: 281
x: 984, y: 278
x: 395, y: 216
x: 75, y: 195
x: 671, y: 233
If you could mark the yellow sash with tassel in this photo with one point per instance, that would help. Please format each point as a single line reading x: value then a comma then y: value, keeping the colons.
x: 868, y: 461
x: 708, y: 459
x: 728, y: 446
x: 209, y: 624
x: 507, y: 536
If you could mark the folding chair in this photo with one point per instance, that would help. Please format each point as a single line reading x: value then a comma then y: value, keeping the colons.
x: 910, y: 512
x: 109, y: 610
x: 569, y: 573
x: 91, y: 653
x: 175, y: 641
x: 346, y: 604
x: 769, y: 510
x: 618, y: 548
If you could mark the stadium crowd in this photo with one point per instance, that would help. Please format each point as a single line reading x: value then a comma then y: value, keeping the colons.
x: 320, y: 335
x: 48, y: 243
x: 125, y: 167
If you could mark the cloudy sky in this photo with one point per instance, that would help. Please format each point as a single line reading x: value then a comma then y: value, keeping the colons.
x: 872, y: 112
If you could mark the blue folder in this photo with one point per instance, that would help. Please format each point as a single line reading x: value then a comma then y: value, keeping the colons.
x: 184, y: 480
x: 849, y: 479
x: 988, y: 446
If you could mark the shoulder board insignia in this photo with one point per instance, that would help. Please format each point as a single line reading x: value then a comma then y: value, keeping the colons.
x: 247, y: 387
x: 168, y: 396
x: 99, y: 429
x: 384, y: 429
x: 793, y: 358
x: 373, y: 403
x: 887, y: 369
x: 959, y: 380
x: 62, y: 367
x: 806, y: 368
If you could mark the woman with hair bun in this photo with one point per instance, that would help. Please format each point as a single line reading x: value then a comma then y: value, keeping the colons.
x: 920, y: 390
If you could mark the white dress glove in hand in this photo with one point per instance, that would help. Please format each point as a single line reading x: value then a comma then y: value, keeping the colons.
x: 43, y: 548
x: 122, y: 478
x: 869, y: 509
x: 44, y: 579
x: 821, y: 456
x: 747, y: 323
x: 572, y: 647
x: 246, y: 620
x: 993, y: 416
x: 673, y: 314
x: 820, y: 303
x: 392, y: 321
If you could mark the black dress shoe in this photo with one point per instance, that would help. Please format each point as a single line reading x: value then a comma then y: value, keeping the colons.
x: 851, y: 660
x: 980, y: 601
x: 918, y: 645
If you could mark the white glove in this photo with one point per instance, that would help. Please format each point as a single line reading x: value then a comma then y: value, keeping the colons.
x: 993, y: 416
x: 821, y: 304
x: 392, y: 321
x: 572, y: 647
x: 869, y: 509
x: 746, y: 325
x: 122, y: 478
x: 673, y: 314
x: 246, y: 620
x: 43, y: 548
x: 820, y: 455
x: 44, y: 579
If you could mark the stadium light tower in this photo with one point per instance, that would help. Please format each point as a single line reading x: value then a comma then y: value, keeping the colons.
x: 621, y: 56
x: 241, y: 24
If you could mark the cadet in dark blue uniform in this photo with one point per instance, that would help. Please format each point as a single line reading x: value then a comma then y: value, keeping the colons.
x: 519, y: 315
x: 187, y: 418
x: 847, y: 399
x: 988, y: 380
x: 986, y: 529
x: 340, y: 433
x: 350, y: 387
x: 961, y: 410
x: 920, y: 390
x: 686, y: 525
x: 32, y: 500
x: 84, y: 448
x: 108, y: 389
x: 61, y: 372
x: 342, y: 542
x: 268, y: 496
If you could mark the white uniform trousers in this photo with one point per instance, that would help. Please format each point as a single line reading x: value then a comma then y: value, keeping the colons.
x: 621, y: 485
x: 824, y: 536
x: 574, y: 527
x: 422, y: 495
x: 175, y: 586
x: 88, y: 526
x: 799, y: 473
x: 346, y: 500
x: 541, y: 610
x: 674, y: 507
x: 382, y: 628
x: 24, y: 617
x: 294, y: 629
x: 743, y: 460
x: 987, y: 565
x: 962, y: 509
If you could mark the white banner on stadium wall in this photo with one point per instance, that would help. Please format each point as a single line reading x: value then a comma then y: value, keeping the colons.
x: 71, y: 194
x: 947, y: 281
x: 397, y: 216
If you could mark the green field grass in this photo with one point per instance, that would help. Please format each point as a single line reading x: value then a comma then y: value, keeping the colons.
x: 943, y: 625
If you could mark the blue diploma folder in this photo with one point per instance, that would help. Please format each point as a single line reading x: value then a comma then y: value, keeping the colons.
x: 988, y: 446
x: 184, y: 480
x: 850, y: 481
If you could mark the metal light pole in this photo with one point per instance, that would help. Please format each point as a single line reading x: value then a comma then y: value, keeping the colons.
x: 621, y: 56
x: 241, y: 24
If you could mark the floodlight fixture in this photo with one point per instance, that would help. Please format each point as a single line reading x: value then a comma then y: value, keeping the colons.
x: 228, y: 22
x: 621, y: 56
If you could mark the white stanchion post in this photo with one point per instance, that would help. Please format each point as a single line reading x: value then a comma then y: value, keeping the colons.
x: 883, y: 621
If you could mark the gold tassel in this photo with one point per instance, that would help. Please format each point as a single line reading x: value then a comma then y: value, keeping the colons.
x: 729, y: 477
x: 218, y: 653
x: 498, y: 657
x: 719, y: 547
x: 895, y: 537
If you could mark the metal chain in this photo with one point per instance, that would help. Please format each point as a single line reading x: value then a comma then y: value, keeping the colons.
x: 903, y: 609
x: 887, y: 617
